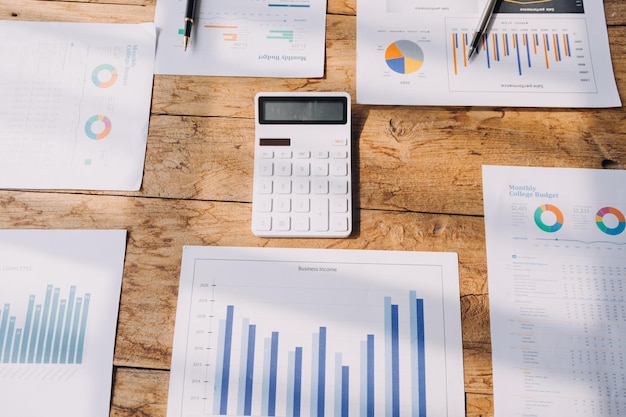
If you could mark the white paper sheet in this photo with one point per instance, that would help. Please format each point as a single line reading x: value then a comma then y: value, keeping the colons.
x: 75, y: 104
x: 305, y: 332
x: 59, y: 297
x: 265, y: 38
x: 552, y: 53
x: 556, y: 252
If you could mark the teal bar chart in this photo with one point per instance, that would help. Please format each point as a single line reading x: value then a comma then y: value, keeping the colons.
x: 52, y: 331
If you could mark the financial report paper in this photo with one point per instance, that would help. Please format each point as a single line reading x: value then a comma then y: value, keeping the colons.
x: 59, y: 298
x: 556, y: 254
x: 75, y: 104
x: 261, y: 38
x: 305, y: 332
x: 549, y: 53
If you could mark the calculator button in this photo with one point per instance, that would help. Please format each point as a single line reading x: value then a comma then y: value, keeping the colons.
x: 282, y: 223
x: 301, y: 223
x: 266, y: 154
x: 303, y: 154
x: 283, y: 169
x: 282, y: 186
x: 339, y: 169
x: 284, y: 154
x: 320, y: 169
x: 264, y: 186
x: 321, y: 154
x: 339, y: 223
x: 340, y: 142
x: 302, y: 169
x: 266, y: 168
x: 263, y: 204
x: 282, y: 205
x: 320, y: 186
x: 339, y: 187
x: 301, y: 205
x: 301, y: 186
x: 263, y: 223
x: 319, y: 217
x: 339, y: 154
x: 339, y: 205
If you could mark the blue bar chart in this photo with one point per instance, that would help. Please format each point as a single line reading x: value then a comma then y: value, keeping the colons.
x: 322, y: 368
x: 350, y: 340
x: 52, y: 331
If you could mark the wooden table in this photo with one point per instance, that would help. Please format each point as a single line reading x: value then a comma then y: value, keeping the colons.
x: 418, y: 182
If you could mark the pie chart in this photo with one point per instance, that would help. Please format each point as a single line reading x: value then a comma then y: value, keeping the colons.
x: 404, y: 57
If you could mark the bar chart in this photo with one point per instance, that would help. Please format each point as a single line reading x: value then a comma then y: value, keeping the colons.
x: 52, y: 332
x: 59, y: 298
x: 323, y: 367
x: 522, y: 55
x: 308, y: 340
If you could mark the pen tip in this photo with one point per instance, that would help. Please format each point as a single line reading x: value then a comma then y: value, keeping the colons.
x: 185, y: 43
x: 470, y: 53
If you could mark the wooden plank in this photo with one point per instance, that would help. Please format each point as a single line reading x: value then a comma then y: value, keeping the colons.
x: 158, y: 228
x: 151, y: 3
x: 426, y: 161
x: 139, y: 393
x: 615, y: 11
x: 478, y: 405
x: 64, y: 11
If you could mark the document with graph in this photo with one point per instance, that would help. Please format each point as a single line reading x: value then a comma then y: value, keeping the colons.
x: 536, y: 53
x: 257, y: 38
x: 556, y: 254
x: 75, y: 104
x: 59, y: 297
x: 317, y: 333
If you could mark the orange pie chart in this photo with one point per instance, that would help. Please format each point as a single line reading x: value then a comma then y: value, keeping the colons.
x: 404, y: 57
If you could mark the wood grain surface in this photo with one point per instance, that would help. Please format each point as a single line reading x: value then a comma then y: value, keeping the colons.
x: 417, y: 180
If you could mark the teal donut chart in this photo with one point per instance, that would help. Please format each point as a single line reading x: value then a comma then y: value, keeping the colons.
x: 98, y: 135
x: 554, y: 210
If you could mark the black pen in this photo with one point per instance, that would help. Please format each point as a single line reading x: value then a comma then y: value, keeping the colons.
x: 482, y: 27
x: 189, y: 14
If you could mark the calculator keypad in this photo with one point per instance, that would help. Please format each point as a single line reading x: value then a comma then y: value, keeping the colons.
x: 303, y: 193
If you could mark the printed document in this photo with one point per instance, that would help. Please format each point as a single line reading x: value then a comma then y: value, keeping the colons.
x: 59, y: 298
x: 548, y: 53
x: 556, y: 254
x: 75, y: 104
x: 317, y: 332
x: 257, y: 38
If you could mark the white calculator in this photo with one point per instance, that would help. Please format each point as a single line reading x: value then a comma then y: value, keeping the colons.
x: 302, y: 165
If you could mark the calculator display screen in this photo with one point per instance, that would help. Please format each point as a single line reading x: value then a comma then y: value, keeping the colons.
x: 303, y: 110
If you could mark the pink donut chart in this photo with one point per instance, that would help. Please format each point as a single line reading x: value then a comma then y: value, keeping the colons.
x: 621, y: 221
x: 103, y: 125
